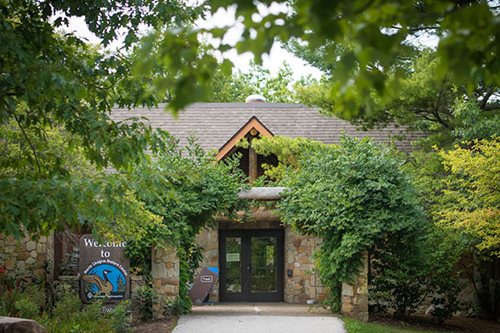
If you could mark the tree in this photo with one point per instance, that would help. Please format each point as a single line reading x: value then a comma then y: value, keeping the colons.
x: 381, y: 33
x: 235, y: 87
x: 441, y: 107
x: 458, y: 190
x: 56, y: 95
x: 373, y: 69
x: 473, y: 208
x: 472, y: 190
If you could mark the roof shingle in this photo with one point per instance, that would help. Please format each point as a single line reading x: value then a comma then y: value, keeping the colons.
x: 215, y: 123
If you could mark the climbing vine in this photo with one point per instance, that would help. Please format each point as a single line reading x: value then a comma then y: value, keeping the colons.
x: 186, y: 188
x: 355, y: 196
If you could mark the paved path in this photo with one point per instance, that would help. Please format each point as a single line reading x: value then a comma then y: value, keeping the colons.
x: 259, y: 318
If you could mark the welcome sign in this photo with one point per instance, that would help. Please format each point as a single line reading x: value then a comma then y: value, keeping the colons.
x: 104, y: 271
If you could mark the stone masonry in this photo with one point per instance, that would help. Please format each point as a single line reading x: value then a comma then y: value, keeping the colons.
x: 165, y: 274
x: 26, y: 258
x: 208, y: 240
x: 300, y: 287
x: 304, y: 283
x: 355, y: 294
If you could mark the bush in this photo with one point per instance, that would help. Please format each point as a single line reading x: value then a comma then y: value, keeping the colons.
x: 70, y: 317
x: 178, y: 306
x: 356, y: 197
x: 19, y: 300
x: 145, y: 297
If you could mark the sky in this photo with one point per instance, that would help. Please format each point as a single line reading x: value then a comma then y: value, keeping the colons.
x: 226, y: 18
x: 223, y: 18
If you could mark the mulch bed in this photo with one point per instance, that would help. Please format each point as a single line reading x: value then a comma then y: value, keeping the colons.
x: 156, y: 326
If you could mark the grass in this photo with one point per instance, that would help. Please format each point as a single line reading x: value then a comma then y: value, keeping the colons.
x: 355, y: 326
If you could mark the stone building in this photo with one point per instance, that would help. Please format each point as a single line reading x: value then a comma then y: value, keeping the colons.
x: 261, y: 259
x: 258, y: 260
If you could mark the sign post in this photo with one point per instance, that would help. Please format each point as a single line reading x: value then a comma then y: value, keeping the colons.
x: 104, y: 271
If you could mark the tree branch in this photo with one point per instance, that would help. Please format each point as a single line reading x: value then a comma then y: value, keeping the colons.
x: 435, y: 111
x: 491, y: 107
x: 29, y: 142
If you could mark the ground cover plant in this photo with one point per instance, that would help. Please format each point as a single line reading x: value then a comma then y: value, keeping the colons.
x: 355, y: 326
x: 29, y: 300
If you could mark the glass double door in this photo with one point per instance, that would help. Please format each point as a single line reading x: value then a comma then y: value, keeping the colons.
x: 251, y: 265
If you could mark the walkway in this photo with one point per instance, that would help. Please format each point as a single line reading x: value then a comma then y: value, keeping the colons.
x: 259, y: 318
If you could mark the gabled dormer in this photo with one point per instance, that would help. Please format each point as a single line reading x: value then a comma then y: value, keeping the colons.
x: 251, y: 162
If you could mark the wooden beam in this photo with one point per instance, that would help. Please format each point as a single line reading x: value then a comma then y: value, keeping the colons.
x: 262, y: 193
x: 253, y: 123
x: 252, y: 164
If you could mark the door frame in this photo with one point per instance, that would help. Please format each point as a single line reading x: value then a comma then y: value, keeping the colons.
x: 246, y: 295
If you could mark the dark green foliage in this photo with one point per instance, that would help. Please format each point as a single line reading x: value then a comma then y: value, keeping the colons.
x: 56, y: 95
x: 374, y: 37
x: 356, y: 198
x: 145, y: 297
x: 443, y: 107
x: 18, y: 300
x: 186, y: 188
x: 69, y: 316
x: 398, y: 276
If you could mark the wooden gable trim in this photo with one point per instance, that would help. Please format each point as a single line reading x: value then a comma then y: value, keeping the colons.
x: 253, y: 123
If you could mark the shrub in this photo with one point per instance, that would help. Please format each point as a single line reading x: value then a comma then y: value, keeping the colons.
x: 17, y: 299
x: 356, y: 197
x: 180, y: 305
x: 69, y: 316
x: 145, y: 297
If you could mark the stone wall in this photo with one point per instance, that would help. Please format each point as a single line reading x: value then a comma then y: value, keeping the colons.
x: 136, y: 282
x: 300, y: 287
x: 304, y: 283
x: 27, y: 258
x: 355, y: 294
x: 208, y: 239
x: 165, y: 274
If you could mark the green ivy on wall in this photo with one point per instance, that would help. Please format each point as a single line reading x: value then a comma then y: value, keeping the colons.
x: 186, y: 188
x: 354, y: 195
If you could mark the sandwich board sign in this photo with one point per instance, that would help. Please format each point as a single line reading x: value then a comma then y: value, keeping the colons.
x: 202, y: 285
x: 104, y: 271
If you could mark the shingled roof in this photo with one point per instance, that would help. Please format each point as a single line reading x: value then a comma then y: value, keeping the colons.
x: 215, y: 123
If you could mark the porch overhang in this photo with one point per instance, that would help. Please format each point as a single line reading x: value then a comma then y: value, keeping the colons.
x: 262, y: 193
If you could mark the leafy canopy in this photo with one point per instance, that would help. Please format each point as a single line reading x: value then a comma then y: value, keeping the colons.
x: 441, y: 106
x: 56, y: 95
x: 381, y: 32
